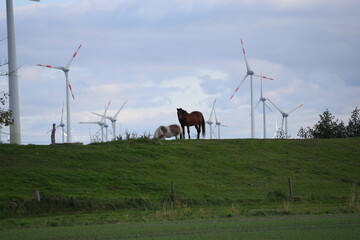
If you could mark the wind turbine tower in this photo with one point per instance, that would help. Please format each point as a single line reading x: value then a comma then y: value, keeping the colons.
x: 219, y: 125
x: 210, y: 121
x: 250, y: 73
x: 66, y: 70
x: 14, y: 102
x: 62, y: 125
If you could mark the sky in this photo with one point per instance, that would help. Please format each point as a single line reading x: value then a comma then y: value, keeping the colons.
x: 163, y: 55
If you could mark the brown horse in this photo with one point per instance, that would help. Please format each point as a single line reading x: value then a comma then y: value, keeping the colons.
x: 191, y: 119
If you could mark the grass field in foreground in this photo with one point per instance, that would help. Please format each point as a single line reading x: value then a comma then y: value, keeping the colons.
x: 250, y: 175
x: 290, y: 227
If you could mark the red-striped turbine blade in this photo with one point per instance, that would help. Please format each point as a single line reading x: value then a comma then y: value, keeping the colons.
x: 261, y: 76
x: 234, y: 93
x: 71, y: 92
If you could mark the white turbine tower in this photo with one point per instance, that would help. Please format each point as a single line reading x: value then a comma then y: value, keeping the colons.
x: 284, y: 117
x: 101, y: 123
x: 210, y: 121
x: 112, y: 119
x: 250, y: 73
x: 66, y: 70
x: 62, y: 125
x: 14, y: 102
x: 263, y: 99
x: 218, y: 124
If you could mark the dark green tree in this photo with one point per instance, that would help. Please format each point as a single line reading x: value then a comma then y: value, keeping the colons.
x: 353, y: 128
x: 339, y: 129
x: 306, y: 133
x: 326, y: 127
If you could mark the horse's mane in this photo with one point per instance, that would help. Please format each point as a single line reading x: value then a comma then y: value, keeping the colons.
x: 182, y: 110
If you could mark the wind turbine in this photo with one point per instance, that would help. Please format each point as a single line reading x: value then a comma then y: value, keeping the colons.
x: 218, y: 124
x: 263, y: 99
x: 112, y: 118
x: 285, y: 116
x: 101, y: 123
x: 62, y: 125
x: 210, y: 121
x: 66, y: 70
x: 250, y: 73
x: 14, y: 102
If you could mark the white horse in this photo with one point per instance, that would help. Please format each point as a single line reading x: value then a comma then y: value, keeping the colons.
x: 172, y: 130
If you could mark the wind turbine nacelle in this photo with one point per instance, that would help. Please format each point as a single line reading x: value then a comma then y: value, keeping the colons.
x: 250, y: 72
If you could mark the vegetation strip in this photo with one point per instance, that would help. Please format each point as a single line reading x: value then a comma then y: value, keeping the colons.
x: 294, y: 227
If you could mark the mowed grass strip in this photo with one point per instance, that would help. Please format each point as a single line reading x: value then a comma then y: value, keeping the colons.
x: 295, y: 227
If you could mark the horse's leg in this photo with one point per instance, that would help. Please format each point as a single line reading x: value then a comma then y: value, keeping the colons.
x: 198, y: 130
x: 188, y: 128
x: 183, y: 129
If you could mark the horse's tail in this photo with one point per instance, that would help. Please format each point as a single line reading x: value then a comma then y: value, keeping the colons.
x: 203, y: 126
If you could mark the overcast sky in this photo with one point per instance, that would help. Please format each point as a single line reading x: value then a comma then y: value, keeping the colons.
x: 163, y: 55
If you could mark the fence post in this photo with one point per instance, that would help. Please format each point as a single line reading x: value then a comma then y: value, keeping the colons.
x: 37, y: 195
x: 290, y: 189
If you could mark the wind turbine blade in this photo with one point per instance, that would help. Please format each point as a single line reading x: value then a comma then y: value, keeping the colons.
x: 89, y: 122
x: 296, y: 108
x: 69, y: 63
x: 117, y: 113
x: 62, y: 114
x: 238, y: 86
x: 263, y: 77
x: 216, y: 120
x: 50, y: 66
x: 72, y: 94
x: 106, y: 108
x: 257, y: 104
x: 268, y: 107
x: 68, y: 81
x: 275, y: 106
x: 244, y: 53
x: 103, y: 116
x: 212, y: 110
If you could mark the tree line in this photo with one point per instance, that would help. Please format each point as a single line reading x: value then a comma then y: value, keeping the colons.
x: 329, y: 127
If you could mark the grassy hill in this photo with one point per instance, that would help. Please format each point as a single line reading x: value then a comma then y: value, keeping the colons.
x: 249, y: 176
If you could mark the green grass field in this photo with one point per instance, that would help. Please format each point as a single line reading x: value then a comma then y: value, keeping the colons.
x: 296, y: 227
x: 130, y: 181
